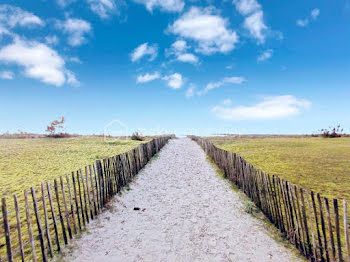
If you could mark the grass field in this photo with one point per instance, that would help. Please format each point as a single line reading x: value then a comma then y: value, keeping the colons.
x: 29, y: 162
x: 314, y: 163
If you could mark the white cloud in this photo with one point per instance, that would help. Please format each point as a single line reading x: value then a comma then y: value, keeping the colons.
x: 103, y: 8
x: 76, y: 29
x: 254, y: 18
x: 3, y: 30
x: 209, y: 30
x: 179, y: 48
x: 64, y: 3
x: 148, y: 77
x: 190, y: 91
x: 302, y: 22
x: 71, y: 79
x: 143, y: 50
x: 75, y: 59
x: 175, y: 81
x: 246, y: 7
x: 275, y: 107
x: 51, y: 40
x: 227, y: 102
x: 39, y: 62
x: 187, y: 58
x: 14, y: 16
x: 8, y: 75
x: 315, y: 13
x: 164, y: 5
x: 227, y: 80
x: 267, y: 54
x: 255, y: 25
x: 313, y: 16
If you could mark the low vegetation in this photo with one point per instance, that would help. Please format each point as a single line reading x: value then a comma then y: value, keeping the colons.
x: 137, y: 136
x: 314, y: 163
x: 28, y: 162
x: 332, y: 132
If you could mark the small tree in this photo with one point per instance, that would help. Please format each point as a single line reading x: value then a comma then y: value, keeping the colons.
x: 54, y: 129
x: 137, y: 136
x: 332, y: 132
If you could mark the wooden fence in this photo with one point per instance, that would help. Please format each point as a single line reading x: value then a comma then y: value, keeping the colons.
x: 45, y: 219
x: 316, y: 225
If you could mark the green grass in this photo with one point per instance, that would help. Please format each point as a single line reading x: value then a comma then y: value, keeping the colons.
x: 314, y: 163
x: 29, y: 162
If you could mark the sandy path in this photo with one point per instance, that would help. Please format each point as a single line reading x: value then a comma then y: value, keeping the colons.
x: 187, y: 213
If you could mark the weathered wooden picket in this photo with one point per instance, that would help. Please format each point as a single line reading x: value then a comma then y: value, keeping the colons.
x: 45, y: 220
x: 316, y: 225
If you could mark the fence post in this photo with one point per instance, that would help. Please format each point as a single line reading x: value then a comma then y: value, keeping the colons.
x: 29, y: 225
x: 330, y: 228
x: 278, y: 194
x: 71, y: 204
x: 60, y: 212
x: 48, y: 186
x: 337, y: 228
x: 7, y: 230
x: 100, y: 181
x: 92, y: 189
x: 324, y: 232
x: 312, y: 227
x: 305, y: 222
x: 76, y: 199
x: 115, y: 174
x: 285, y: 207
x: 317, y: 225
x: 88, y: 192
x: 84, y: 195
x: 80, y: 198
x: 47, y: 225
x: 19, y: 227
x: 105, y: 180
x: 66, y: 214
x: 346, y: 230
x: 38, y: 222
x: 298, y: 237
x: 98, y: 189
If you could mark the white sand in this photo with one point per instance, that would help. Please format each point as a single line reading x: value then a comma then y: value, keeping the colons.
x: 187, y: 213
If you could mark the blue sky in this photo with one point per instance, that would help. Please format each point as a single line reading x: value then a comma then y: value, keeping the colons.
x: 203, y: 67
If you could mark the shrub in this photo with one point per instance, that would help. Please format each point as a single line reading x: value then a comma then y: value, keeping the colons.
x: 19, y: 135
x: 61, y: 135
x: 332, y: 132
x: 137, y: 136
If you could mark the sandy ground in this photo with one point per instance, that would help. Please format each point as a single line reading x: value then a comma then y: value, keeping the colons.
x: 187, y: 213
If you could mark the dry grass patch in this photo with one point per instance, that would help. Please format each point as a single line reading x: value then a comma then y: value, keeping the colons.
x: 314, y: 163
x: 28, y: 162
